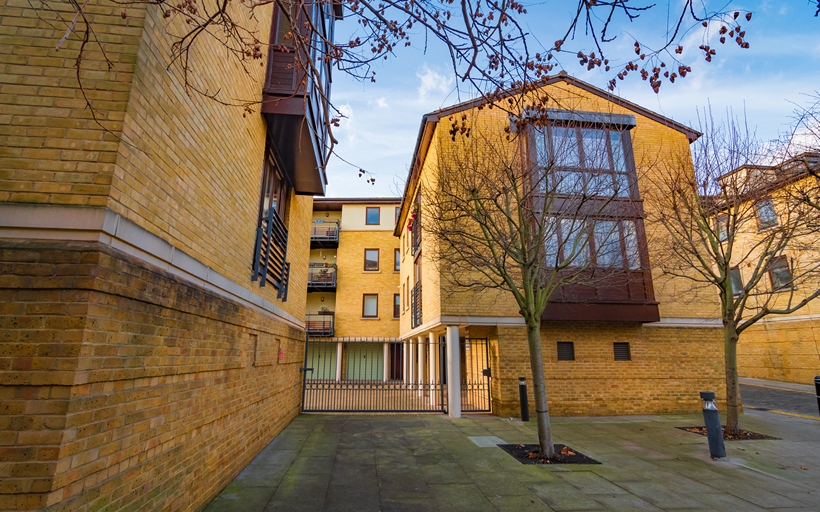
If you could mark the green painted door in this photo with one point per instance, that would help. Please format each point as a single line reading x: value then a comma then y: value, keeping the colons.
x: 322, y: 358
x: 365, y: 361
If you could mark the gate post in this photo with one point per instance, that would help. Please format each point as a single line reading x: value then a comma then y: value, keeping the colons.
x: 453, y: 373
x: 386, y: 362
x: 431, y: 366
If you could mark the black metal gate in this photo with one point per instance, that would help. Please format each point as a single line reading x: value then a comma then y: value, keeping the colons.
x: 373, y: 375
x: 475, y: 375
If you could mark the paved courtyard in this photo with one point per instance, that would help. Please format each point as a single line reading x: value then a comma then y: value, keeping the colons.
x: 416, y: 462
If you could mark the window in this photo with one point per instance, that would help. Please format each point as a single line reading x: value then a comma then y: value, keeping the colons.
x: 370, y: 305
x: 396, y: 259
x: 372, y: 215
x: 275, y: 192
x: 371, y: 259
x: 766, y: 216
x: 612, y: 244
x: 722, y: 227
x: 621, y: 350
x: 566, y: 351
x: 779, y: 273
x: 577, y: 160
x: 736, y: 281
x: 396, y: 305
x: 407, y: 293
x: 398, y: 210
x: 270, y: 250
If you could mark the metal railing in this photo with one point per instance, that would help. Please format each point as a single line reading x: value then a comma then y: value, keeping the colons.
x: 322, y: 277
x: 320, y: 324
x: 325, y: 232
x: 270, y: 252
x: 415, y: 305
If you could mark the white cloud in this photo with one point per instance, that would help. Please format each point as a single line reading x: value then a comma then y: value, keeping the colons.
x: 432, y: 81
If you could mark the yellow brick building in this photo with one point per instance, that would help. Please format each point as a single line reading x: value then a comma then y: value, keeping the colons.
x: 152, y: 293
x: 779, y: 347
x: 647, y: 351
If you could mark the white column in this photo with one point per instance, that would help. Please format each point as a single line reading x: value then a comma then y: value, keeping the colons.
x: 386, y: 370
x: 338, y: 361
x: 432, y: 356
x: 421, y: 346
x: 453, y: 373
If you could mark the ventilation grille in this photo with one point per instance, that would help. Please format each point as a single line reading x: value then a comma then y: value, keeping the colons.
x: 566, y: 351
x: 622, y: 351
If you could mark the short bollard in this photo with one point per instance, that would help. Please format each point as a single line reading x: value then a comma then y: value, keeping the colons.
x: 817, y: 389
x: 713, y: 431
x: 522, y: 396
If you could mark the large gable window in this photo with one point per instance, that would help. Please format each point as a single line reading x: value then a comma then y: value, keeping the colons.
x: 578, y: 159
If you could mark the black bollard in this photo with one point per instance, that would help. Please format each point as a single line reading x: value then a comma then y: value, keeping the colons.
x: 713, y: 431
x: 522, y: 396
x: 817, y: 389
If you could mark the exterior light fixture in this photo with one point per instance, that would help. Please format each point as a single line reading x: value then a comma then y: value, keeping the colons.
x: 714, y: 433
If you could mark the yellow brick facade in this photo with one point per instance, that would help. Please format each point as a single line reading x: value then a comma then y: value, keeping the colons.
x: 671, y: 361
x: 140, y: 368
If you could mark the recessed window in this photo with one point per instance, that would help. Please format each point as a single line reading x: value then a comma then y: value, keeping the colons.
x: 766, y: 216
x: 779, y: 273
x: 396, y: 259
x: 370, y: 305
x: 372, y: 216
x: 737, y: 282
x: 566, y: 351
x: 722, y: 227
x: 398, y: 210
x: 622, y: 352
x: 371, y: 259
x: 396, y: 305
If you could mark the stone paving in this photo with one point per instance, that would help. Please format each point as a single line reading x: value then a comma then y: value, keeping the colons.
x: 416, y: 462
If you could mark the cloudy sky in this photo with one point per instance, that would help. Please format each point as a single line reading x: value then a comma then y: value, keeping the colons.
x: 779, y: 69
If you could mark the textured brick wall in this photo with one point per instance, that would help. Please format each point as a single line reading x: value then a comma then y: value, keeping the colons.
x: 787, y: 351
x: 125, y: 387
x: 669, y: 367
x: 353, y: 281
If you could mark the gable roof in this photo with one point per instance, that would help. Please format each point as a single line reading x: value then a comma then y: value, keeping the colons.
x: 429, y: 120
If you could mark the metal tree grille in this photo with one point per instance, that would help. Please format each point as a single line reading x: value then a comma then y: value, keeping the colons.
x: 372, y: 375
x: 475, y: 375
x: 269, y: 254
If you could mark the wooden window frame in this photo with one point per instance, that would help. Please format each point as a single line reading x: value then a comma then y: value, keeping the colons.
x: 761, y: 226
x: 398, y: 211
x: 377, y: 261
x: 367, y: 215
x: 739, y: 279
x: 396, y: 305
x: 396, y: 260
x: 787, y: 286
x: 722, y: 227
x: 364, y: 303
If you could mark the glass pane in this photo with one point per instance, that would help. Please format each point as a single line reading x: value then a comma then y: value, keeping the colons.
x: 551, y: 242
x: 568, y: 182
x: 372, y: 216
x: 617, y: 151
x: 621, y: 185
x: 600, y: 184
x: 371, y: 259
x: 565, y: 147
x: 575, y: 242
x: 596, y: 155
x: 781, y: 276
x: 396, y: 259
x: 370, y: 302
x: 633, y: 257
x: 766, y: 216
x: 539, y: 136
x: 608, y: 244
x: 737, y: 283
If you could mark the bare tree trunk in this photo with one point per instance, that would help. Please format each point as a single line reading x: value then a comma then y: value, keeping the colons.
x: 730, y: 338
x: 542, y: 414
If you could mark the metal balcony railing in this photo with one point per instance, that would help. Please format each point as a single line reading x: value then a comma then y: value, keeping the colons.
x: 415, y: 306
x: 321, y: 277
x: 325, y: 231
x: 321, y: 323
x: 270, y: 252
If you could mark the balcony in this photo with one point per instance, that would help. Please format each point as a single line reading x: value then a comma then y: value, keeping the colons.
x: 321, y: 323
x: 270, y: 253
x: 321, y: 278
x: 415, y: 306
x: 324, y: 235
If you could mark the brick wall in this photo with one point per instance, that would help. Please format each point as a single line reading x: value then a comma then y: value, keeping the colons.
x: 668, y: 368
x: 781, y: 350
x: 126, y: 387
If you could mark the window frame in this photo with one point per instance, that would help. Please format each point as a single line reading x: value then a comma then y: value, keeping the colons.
x: 771, y: 271
x: 396, y: 305
x: 761, y: 224
x: 365, y: 296
x: 365, y: 269
x: 735, y: 271
x: 367, y: 211
x: 722, y: 227
x: 396, y: 260
x: 398, y: 211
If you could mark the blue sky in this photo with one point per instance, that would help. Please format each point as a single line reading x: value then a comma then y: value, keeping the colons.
x: 781, y: 66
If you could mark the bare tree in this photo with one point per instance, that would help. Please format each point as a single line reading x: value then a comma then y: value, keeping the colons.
x: 737, y: 230
x: 489, y: 43
x: 515, y: 215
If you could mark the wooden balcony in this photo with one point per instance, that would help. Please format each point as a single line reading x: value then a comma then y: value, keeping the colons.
x: 617, y: 296
x: 321, y: 323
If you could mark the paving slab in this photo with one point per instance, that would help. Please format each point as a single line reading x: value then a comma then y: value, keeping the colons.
x: 417, y: 462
